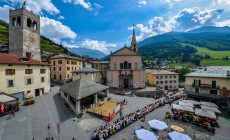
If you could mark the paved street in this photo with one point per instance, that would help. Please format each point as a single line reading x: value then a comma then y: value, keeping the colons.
x: 32, y: 121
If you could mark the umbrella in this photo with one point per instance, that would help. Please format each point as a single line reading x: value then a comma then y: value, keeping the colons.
x: 186, y: 104
x: 184, y: 108
x: 158, y: 125
x: 209, y: 104
x: 192, y: 102
x: 143, y: 134
x: 205, y: 113
x: 178, y: 136
x: 216, y: 110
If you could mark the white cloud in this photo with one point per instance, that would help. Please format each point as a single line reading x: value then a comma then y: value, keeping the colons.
x: 37, y: 5
x: 55, y: 30
x: 61, y: 18
x: 142, y: 3
x: 4, y: 12
x: 222, y: 2
x: 223, y: 23
x: 86, y: 5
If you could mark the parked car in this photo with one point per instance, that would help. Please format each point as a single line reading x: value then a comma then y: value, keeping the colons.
x: 52, y: 84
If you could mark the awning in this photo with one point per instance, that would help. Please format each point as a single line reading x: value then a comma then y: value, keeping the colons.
x: 187, y: 104
x: 143, y: 134
x: 158, y: 125
x: 178, y: 136
x: 209, y: 104
x: 216, y: 110
x: 205, y: 113
x: 184, y: 108
x: 192, y: 102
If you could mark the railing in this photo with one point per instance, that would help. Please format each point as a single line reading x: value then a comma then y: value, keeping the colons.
x: 206, y: 86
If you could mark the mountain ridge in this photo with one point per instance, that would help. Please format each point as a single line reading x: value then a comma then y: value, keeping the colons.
x: 90, y: 52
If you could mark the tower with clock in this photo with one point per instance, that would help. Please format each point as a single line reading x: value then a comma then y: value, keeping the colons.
x: 24, y: 33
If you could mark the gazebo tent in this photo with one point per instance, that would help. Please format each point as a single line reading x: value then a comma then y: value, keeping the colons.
x: 209, y: 104
x: 205, y: 113
x: 8, y: 103
x: 80, y: 89
x: 187, y: 104
x: 184, y: 108
x: 216, y: 110
x: 192, y: 102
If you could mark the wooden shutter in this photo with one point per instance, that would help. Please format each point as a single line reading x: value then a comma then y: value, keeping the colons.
x: 7, y: 72
x: 13, y: 71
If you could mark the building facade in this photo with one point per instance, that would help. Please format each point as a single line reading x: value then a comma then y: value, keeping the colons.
x: 126, y: 69
x: 162, y: 78
x: 62, y: 66
x: 103, y: 66
x: 89, y: 74
x: 24, y: 33
x: 211, y: 83
x: 23, y: 77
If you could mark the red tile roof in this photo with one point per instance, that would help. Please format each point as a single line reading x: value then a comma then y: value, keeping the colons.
x: 6, y: 58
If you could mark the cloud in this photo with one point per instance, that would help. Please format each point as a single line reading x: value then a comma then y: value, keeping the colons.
x: 223, y: 23
x: 86, y: 5
x: 192, y: 18
x: 102, y: 46
x: 61, y: 18
x: 55, y: 30
x: 142, y: 3
x: 37, y: 5
x: 4, y: 12
x: 222, y: 2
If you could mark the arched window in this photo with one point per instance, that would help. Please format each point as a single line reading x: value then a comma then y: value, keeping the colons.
x: 14, y: 21
x: 18, y: 21
x: 35, y: 25
x: 125, y: 65
x: 29, y: 22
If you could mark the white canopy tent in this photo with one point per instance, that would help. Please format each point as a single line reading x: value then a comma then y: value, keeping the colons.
x: 192, y: 102
x: 205, y: 113
x: 178, y: 136
x: 209, y: 104
x: 157, y: 125
x: 209, y: 108
x: 184, y: 108
x: 186, y: 104
x: 143, y: 134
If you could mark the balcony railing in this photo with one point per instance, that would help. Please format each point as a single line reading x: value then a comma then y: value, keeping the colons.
x: 206, y: 86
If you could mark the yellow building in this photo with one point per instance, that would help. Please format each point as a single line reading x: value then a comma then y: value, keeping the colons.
x: 162, y: 78
x: 103, y: 66
x: 211, y: 83
x: 62, y: 66
x: 23, y: 77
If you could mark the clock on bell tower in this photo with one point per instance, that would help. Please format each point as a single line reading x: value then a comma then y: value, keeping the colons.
x: 24, y: 33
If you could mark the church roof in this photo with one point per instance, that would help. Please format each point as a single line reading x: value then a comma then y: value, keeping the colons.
x: 82, y: 88
x: 6, y: 58
x: 130, y: 52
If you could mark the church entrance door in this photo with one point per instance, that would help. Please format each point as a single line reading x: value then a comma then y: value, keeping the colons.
x: 126, y: 83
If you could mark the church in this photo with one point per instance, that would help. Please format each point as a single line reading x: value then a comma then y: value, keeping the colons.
x: 126, y: 69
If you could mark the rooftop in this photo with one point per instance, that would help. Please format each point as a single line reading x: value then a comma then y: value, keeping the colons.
x: 6, y: 58
x: 6, y: 98
x: 82, y: 88
x: 64, y: 56
x: 214, y: 71
x: 160, y: 72
x: 86, y: 69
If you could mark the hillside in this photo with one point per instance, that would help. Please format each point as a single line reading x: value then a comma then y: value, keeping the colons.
x: 212, y: 29
x: 47, y: 45
x: 89, y: 52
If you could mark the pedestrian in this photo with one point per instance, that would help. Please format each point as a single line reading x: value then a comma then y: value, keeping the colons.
x: 169, y: 104
x: 120, y: 113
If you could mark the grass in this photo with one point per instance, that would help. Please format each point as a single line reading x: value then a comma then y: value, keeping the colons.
x: 213, y: 54
x: 3, y: 35
x: 214, y: 62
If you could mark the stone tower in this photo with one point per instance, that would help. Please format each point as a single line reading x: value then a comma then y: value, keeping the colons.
x: 134, y: 41
x: 24, y: 33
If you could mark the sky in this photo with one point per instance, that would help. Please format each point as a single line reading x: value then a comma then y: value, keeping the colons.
x: 106, y: 25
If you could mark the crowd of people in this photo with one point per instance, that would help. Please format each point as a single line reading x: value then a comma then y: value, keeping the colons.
x: 110, y: 128
x: 190, y: 117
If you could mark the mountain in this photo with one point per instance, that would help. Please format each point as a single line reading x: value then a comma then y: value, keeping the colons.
x: 89, y: 52
x: 47, y: 45
x: 212, y: 29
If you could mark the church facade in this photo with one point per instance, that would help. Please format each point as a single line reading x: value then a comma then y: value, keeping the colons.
x: 126, y: 69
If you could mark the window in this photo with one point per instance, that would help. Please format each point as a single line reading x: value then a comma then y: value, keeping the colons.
x: 72, y: 62
x: 125, y: 65
x: 54, y: 63
x: 35, y: 25
x: 157, y: 77
x: 14, y: 21
x: 28, y: 71
x: 54, y: 68
x: 129, y: 66
x: 68, y: 68
x: 54, y: 77
x: 59, y: 68
x: 166, y: 82
x: 59, y: 61
x: 60, y: 77
x: 166, y: 77
x: 213, y: 84
x: 42, y: 71
x: 67, y: 62
x: 170, y: 76
x: 10, y: 83
x: 28, y: 54
x: 72, y: 68
x: 18, y: 21
x: 170, y: 81
x: 29, y: 22
x: 121, y: 65
x: 170, y: 86
x: 10, y: 71
x: 67, y: 75
x: 161, y: 77
x: 174, y: 81
x: 174, y: 76
x: 86, y: 73
x: 162, y: 82
x: 42, y: 79
x: 28, y: 81
x: 75, y: 68
x: 157, y: 82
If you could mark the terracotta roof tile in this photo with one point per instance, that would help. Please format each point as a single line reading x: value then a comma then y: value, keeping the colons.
x: 6, y: 58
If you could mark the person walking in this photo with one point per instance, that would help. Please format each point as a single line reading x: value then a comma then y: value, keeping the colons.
x: 120, y: 113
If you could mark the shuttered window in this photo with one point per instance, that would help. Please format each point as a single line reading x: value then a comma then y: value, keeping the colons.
x: 10, y: 71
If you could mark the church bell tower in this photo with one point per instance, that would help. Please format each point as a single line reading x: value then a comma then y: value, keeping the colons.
x: 24, y: 33
x: 134, y: 41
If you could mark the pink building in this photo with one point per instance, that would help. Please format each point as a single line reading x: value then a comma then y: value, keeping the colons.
x: 126, y: 69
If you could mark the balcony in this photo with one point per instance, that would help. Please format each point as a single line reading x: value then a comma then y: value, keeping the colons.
x: 206, y: 86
